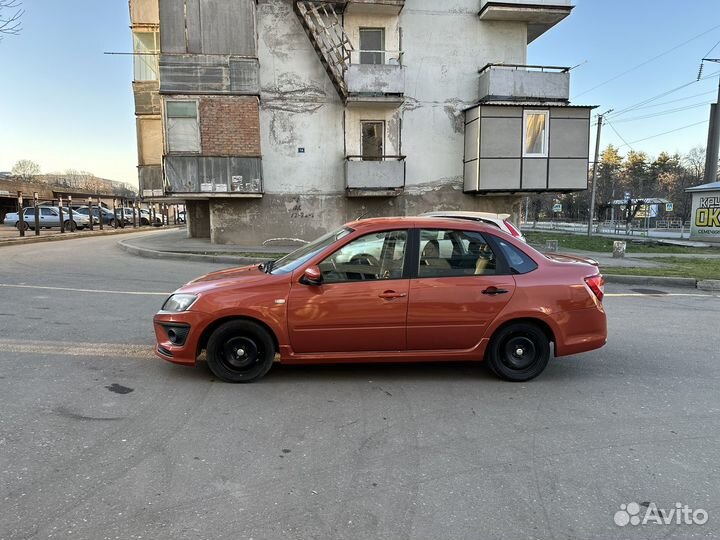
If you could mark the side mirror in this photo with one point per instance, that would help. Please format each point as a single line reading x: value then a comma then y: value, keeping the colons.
x: 312, y: 276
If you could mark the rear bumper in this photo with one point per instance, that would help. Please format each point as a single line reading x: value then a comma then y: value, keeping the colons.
x: 185, y: 353
x: 580, y: 331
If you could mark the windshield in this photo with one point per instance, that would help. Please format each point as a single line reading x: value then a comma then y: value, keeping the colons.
x: 291, y: 261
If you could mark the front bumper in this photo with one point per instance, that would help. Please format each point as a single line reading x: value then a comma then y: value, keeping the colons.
x: 181, y: 351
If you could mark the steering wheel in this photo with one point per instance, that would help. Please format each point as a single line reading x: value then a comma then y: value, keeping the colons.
x: 364, y: 259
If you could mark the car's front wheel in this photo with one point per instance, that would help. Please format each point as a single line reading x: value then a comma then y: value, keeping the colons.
x: 240, y: 352
x: 70, y: 226
x: 519, y: 352
x: 22, y: 226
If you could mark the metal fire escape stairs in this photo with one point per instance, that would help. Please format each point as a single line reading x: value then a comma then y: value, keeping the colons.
x: 323, y: 25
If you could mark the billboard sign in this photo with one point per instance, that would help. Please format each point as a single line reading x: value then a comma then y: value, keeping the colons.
x: 705, y: 218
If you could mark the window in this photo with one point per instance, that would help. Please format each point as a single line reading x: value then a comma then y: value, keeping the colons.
x: 146, y: 46
x: 517, y: 260
x: 535, y: 133
x: 373, y: 256
x: 300, y: 256
x: 454, y: 253
x: 183, y: 134
x: 47, y: 212
x: 372, y: 45
x: 372, y: 140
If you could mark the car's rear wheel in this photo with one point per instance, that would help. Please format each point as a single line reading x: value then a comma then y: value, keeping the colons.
x: 519, y: 352
x: 240, y: 352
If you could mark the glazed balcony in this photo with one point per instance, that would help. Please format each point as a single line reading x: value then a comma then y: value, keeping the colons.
x: 516, y: 82
x: 383, y: 176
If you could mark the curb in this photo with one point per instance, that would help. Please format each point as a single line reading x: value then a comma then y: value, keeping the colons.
x: 709, y: 285
x: 659, y: 281
x: 177, y: 255
x: 73, y: 236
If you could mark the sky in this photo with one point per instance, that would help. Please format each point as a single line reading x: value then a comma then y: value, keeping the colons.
x: 66, y: 105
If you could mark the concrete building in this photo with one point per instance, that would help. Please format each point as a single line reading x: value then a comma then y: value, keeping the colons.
x: 280, y: 118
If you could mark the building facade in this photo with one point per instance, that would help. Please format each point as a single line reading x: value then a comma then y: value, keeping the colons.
x: 286, y: 118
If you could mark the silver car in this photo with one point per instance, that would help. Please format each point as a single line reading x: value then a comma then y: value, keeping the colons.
x: 49, y: 216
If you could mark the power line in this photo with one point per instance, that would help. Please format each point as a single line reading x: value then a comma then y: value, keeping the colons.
x: 665, y: 133
x: 661, y: 95
x: 641, y: 64
x: 711, y: 49
x: 618, y: 134
x: 674, y: 100
x: 662, y: 113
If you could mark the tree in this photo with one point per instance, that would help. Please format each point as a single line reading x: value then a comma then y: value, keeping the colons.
x: 10, y: 14
x: 25, y: 169
x: 609, y: 169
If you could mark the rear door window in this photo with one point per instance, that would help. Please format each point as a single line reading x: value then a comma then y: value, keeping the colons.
x: 447, y: 253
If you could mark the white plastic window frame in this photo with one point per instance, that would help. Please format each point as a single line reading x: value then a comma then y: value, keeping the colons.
x: 546, y: 132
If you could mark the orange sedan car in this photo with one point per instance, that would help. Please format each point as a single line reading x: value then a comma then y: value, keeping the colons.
x: 389, y: 290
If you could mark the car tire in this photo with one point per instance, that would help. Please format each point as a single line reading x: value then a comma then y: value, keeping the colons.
x: 22, y: 226
x: 70, y: 226
x: 240, y: 352
x: 518, y: 352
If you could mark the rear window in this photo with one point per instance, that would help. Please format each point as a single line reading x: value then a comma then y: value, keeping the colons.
x: 517, y: 260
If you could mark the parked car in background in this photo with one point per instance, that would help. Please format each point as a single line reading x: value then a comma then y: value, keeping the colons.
x: 49, y: 216
x: 100, y: 212
x: 389, y: 290
x: 501, y: 221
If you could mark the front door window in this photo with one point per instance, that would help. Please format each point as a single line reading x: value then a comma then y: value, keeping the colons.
x: 374, y: 256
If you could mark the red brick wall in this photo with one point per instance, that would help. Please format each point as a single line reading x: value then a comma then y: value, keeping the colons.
x: 230, y: 126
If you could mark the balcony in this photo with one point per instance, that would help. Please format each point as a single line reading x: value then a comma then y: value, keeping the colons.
x: 203, y: 177
x: 515, y: 82
x: 374, y: 7
x: 540, y: 15
x: 378, y: 177
x: 375, y: 77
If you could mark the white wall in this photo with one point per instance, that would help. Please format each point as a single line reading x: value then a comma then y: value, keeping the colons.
x: 444, y: 44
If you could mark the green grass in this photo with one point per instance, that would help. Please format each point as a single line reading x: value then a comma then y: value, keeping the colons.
x: 600, y: 244
x: 672, y: 267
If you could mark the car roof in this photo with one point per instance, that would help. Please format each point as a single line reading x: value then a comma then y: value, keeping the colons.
x: 380, y: 223
x: 486, y: 215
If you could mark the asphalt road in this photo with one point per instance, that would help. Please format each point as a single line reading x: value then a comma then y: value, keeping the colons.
x: 100, y: 439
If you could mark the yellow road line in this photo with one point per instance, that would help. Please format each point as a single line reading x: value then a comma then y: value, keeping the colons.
x: 116, y: 350
x: 139, y: 293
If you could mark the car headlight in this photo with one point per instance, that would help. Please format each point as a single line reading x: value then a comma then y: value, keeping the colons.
x: 179, y: 302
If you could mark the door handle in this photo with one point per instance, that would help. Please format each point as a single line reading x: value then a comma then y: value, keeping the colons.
x: 494, y: 290
x: 392, y: 294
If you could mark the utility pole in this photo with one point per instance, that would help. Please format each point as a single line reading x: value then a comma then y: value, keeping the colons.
x: 713, y: 140
x: 593, y: 190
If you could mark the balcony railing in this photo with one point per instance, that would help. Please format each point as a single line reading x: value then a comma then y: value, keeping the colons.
x: 374, y: 72
x: 518, y: 82
x: 208, y: 177
x: 378, y: 176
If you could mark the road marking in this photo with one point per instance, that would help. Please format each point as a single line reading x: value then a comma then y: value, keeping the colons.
x: 116, y: 350
x: 658, y: 295
x: 138, y: 293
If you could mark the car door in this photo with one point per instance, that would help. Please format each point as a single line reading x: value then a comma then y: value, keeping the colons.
x: 361, y: 304
x: 459, y: 286
x: 48, y: 217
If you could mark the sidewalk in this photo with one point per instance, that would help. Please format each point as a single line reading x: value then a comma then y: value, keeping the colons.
x: 175, y: 244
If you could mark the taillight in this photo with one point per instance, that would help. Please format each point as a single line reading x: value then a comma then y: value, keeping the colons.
x: 512, y: 229
x: 597, y: 285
